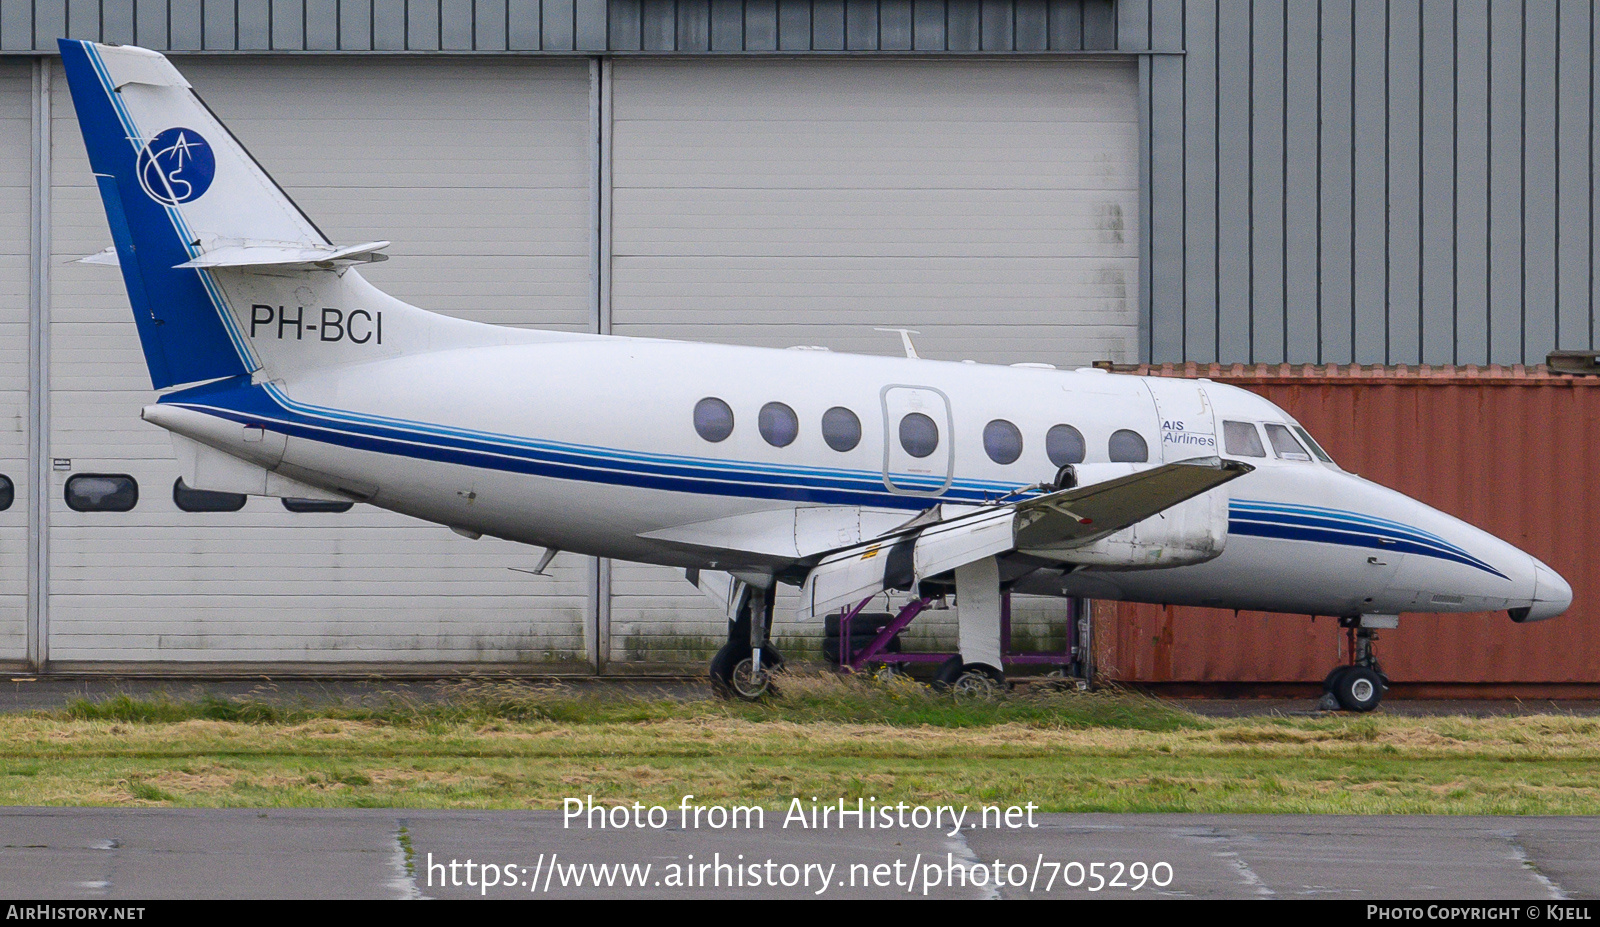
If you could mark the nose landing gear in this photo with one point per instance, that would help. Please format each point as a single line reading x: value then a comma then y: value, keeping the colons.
x: 1359, y: 686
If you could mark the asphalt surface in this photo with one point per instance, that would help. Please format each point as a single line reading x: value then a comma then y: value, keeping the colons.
x: 23, y: 693
x: 104, y: 853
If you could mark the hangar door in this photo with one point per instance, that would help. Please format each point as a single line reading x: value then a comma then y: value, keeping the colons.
x: 990, y: 205
x: 16, y: 81
x: 479, y: 172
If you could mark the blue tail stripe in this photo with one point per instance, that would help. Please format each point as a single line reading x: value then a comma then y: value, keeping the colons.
x: 181, y: 324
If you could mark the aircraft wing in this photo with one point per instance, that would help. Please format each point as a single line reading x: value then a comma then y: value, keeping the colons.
x: 1058, y: 520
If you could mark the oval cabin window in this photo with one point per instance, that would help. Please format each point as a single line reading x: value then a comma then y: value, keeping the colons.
x: 1064, y: 445
x: 713, y: 419
x: 1002, y: 441
x: 919, y: 435
x: 1127, y: 447
x: 841, y: 429
x: 778, y: 424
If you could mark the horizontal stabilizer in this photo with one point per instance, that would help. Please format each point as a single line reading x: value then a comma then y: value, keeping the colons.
x: 286, y: 256
x: 108, y: 258
x: 927, y: 547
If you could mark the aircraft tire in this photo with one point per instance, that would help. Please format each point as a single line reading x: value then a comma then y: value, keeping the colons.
x: 730, y: 670
x: 975, y: 679
x: 1332, y: 680
x: 1359, y: 689
x: 947, y: 673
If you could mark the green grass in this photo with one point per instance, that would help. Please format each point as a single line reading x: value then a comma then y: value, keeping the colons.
x: 517, y: 746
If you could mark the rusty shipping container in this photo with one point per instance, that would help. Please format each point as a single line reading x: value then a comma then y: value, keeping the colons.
x: 1512, y: 450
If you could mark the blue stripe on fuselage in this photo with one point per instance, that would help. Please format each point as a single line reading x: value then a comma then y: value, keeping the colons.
x: 1282, y: 521
x: 254, y: 405
x: 237, y: 400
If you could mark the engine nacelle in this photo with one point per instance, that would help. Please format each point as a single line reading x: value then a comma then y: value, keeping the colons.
x: 1190, y: 532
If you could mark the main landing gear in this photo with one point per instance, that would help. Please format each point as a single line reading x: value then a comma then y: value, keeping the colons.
x: 975, y: 670
x: 743, y: 668
x: 1359, y: 686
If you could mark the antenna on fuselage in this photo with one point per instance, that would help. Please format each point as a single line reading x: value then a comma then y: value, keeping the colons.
x: 905, y: 339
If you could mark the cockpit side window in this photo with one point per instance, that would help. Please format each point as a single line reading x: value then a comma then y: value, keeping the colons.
x: 1316, y: 448
x: 1241, y: 439
x: 1284, y: 443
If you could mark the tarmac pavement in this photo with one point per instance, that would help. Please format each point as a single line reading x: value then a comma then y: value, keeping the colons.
x: 111, y: 853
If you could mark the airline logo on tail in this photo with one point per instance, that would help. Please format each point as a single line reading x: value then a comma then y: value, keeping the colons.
x: 176, y: 166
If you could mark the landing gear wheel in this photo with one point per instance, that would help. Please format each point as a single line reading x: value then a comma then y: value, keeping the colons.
x: 1359, y: 688
x: 969, y: 679
x: 1332, y: 679
x: 750, y: 685
x: 733, y: 676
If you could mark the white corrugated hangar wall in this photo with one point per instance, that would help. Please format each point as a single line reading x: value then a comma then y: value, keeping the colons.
x: 993, y: 205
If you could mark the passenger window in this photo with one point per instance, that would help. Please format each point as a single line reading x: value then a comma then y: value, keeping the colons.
x: 1315, y: 447
x: 102, y: 492
x: 1064, y: 445
x: 919, y: 435
x: 1242, y: 440
x: 1284, y: 444
x: 713, y: 420
x: 1127, y: 447
x: 1002, y: 441
x: 841, y: 429
x: 205, y: 500
x: 778, y: 424
x: 300, y: 506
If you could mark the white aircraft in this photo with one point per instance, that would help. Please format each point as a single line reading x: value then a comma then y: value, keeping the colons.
x: 844, y: 475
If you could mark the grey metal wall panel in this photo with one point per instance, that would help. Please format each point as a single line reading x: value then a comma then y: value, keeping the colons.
x: 1438, y: 184
x: 1403, y: 185
x: 1165, y: 141
x: 1574, y: 172
x: 1233, y: 189
x: 1267, y: 183
x: 1369, y: 231
x: 1302, y: 181
x: 1541, y: 59
x: 1200, y: 204
x: 1336, y: 308
x: 661, y: 26
x: 502, y: 237
x: 1434, y: 180
x: 1505, y: 154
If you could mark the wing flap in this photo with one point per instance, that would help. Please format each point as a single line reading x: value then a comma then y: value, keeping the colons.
x: 1070, y: 517
x: 1073, y: 517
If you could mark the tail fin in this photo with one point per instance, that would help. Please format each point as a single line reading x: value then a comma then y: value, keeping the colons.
x: 226, y: 275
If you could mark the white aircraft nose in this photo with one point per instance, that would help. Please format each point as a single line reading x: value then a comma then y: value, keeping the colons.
x: 1552, y: 595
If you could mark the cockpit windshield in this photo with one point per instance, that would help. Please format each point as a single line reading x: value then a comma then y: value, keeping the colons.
x: 1284, y: 444
x: 1316, y: 448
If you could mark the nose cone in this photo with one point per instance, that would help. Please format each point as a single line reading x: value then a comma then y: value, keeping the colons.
x: 1552, y: 595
